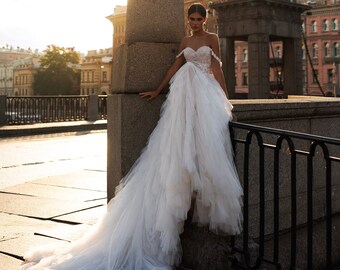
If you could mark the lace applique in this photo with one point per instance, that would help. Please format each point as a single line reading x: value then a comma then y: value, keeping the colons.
x: 216, y: 57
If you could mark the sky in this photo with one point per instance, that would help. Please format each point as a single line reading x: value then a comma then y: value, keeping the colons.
x: 66, y: 23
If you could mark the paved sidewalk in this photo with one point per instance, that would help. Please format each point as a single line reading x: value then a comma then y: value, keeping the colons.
x: 48, y: 210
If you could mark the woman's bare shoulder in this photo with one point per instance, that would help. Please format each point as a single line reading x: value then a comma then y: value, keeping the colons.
x: 212, y: 36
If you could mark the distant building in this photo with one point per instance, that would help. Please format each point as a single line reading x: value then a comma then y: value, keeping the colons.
x: 322, y: 32
x: 16, y: 70
x: 96, y: 72
x: 6, y: 79
x: 118, y: 20
x: 9, y: 54
x: 23, y: 75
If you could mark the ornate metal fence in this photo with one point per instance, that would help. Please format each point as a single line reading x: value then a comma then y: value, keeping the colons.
x: 44, y: 109
x: 290, y: 182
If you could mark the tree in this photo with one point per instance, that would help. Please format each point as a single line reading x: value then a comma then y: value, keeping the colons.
x: 57, y: 74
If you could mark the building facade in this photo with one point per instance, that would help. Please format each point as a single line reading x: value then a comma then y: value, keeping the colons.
x: 96, y: 72
x: 118, y: 20
x: 23, y: 75
x: 6, y: 79
x: 16, y: 69
x: 322, y: 39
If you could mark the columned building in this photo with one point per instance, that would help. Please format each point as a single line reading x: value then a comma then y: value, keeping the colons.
x: 6, y: 79
x: 23, y: 75
x: 96, y: 72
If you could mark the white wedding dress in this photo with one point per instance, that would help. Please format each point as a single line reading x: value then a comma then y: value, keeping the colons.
x: 189, y: 152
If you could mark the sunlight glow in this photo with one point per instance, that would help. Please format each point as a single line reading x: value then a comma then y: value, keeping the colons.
x: 67, y: 23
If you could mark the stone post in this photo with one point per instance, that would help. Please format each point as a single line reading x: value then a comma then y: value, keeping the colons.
x: 292, y: 70
x: 3, y: 120
x: 153, y: 32
x: 258, y: 60
x: 92, y: 108
x: 228, y: 48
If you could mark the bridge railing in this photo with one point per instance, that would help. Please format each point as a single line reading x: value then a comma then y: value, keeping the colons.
x: 291, y: 202
x: 45, y: 109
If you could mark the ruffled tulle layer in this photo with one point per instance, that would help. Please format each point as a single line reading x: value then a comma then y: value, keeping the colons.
x: 188, y: 152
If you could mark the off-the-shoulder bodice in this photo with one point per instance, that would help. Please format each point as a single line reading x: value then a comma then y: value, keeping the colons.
x: 200, y: 57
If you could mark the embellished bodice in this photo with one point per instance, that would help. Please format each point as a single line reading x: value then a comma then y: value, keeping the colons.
x: 200, y: 57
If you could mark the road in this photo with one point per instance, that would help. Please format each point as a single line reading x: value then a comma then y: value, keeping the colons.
x: 24, y: 159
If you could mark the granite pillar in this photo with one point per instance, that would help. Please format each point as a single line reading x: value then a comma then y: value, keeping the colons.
x: 139, y: 65
x: 3, y: 120
x: 292, y: 69
x: 258, y: 66
x: 228, y: 54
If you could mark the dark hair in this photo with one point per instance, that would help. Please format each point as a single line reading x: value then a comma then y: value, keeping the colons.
x: 197, y: 8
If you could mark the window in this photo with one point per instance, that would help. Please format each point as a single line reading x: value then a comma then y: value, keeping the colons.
x: 315, y: 75
x: 88, y: 76
x: 278, y: 51
x: 335, y: 49
x: 244, y: 55
x: 325, y: 25
x: 330, y: 75
x: 92, y: 77
x: 326, y: 49
x: 244, y: 78
x: 313, y: 25
x: 314, y: 50
x: 334, y: 24
x: 104, y: 76
x: 235, y: 54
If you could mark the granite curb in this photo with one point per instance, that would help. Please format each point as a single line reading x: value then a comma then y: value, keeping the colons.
x: 48, y: 128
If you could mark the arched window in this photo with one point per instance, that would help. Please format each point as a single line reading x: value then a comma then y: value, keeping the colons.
x: 314, y: 26
x: 244, y: 55
x: 325, y: 25
x: 335, y: 49
x: 314, y: 50
x: 334, y: 24
x: 326, y: 49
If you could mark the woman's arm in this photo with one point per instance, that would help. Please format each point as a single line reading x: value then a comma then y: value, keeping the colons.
x: 216, y: 65
x: 171, y: 72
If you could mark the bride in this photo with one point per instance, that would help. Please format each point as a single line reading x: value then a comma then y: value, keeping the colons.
x: 189, y: 152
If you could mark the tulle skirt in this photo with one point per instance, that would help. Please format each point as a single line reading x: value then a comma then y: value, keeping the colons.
x: 189, y: 152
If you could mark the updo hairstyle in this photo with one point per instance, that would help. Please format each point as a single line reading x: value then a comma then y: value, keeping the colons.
x: 200, y: 9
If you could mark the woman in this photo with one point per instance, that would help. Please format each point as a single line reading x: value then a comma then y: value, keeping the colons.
x: 188, y: 152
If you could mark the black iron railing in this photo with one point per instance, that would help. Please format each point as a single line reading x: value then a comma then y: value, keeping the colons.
x: 294, y: 187
x: 45, y: 109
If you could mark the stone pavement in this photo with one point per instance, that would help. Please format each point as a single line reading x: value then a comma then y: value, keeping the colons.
x: 48, y: 210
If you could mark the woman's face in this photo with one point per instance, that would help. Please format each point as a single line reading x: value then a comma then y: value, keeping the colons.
x: 196, y: 21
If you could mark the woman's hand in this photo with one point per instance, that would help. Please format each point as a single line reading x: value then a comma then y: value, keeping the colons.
x: 150, y: 94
